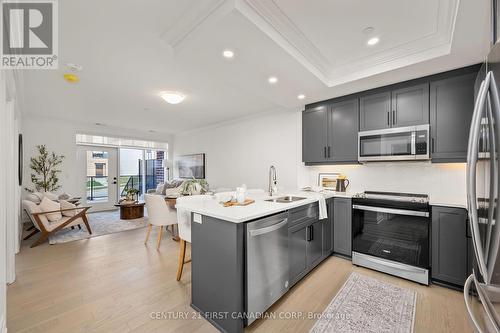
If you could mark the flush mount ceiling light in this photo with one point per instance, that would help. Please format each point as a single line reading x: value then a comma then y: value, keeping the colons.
x: 172, y: 97
x: 301, y: 96
x: 272, y: 80
x: 228, y: 54
x: 373, y: 41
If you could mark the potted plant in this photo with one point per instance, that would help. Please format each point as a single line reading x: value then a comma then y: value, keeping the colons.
x: 194, y: 186
x: 131, y: 193
x: 45, y: 170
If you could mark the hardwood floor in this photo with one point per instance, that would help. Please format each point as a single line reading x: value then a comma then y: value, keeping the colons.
x: 115, y: 283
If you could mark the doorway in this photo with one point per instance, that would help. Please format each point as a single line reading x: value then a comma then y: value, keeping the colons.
x: 101, y: 179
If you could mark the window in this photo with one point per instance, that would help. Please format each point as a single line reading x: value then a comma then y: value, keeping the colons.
x: 100, y: 169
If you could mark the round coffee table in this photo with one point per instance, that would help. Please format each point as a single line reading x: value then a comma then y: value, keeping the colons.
x: 131, y: 211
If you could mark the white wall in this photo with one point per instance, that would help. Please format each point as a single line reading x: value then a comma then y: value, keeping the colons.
x: 10, y: 119
x: 242, y: 151
x: 59, y: 136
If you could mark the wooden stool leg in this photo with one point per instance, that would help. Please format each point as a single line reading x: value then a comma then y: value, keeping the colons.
x: 182, y: 256
x: 159, y: 237
x: 149, y: 231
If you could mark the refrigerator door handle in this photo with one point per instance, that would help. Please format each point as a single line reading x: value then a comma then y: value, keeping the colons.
x: 493, y: 239
x: 470, y: 312
x: 487, y: 306
x: 494, y: 176
x: 472, y: 156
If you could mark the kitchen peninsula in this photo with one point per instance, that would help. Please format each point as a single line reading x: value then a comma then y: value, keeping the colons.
x: 244, y: 258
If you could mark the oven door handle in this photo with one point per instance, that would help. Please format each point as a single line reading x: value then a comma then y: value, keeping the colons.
x: 392, y: 210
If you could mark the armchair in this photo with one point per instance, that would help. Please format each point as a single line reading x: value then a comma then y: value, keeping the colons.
x: 47, y: 228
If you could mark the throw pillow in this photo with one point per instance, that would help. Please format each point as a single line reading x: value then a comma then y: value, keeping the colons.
x: 48, y: 205
x: 67, y: 205
x: 160, y: 188
x: 64, y: 196
x: 39, y: 195
x: 33, y: 198
x: 50, y: 196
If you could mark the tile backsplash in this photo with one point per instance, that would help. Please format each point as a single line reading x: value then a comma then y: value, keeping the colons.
x: 443, y: 182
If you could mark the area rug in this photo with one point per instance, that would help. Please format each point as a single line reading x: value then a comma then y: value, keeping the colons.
x: 102, y: 223
x: 365, y: 304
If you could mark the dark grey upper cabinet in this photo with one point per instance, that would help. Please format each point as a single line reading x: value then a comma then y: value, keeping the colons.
x: 375, y: 111
x: 410, y: 106
x: 343, y: 131
x: 315, y: 134
x: 396, y: 108
x: 342, y: 226
x: 451, y: 107
x: 449, y: 245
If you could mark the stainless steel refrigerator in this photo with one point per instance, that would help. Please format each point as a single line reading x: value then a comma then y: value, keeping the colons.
x: 482, y: 288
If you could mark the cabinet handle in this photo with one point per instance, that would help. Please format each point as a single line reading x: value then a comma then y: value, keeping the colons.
x: 311, y: 233
x: 432, y: 145
x: 329, y: 152
x: 388, y: 120
x: 394, y: 119
x: 324, y: 151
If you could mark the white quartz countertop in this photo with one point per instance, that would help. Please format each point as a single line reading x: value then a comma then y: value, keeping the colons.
x: 211, y: 206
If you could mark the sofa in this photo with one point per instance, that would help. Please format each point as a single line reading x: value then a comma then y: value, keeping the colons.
x: 172, y: 188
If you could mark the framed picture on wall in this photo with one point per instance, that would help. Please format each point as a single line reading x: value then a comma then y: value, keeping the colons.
x: 191, y: 166
x: 328, y: 180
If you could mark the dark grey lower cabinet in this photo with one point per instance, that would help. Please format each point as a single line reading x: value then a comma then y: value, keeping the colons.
x: 449, y: 245
x: 310, y: 240
x: 342, y: 226
x: 315, y: 243
x: 297, y: 253
x: 327, y: 225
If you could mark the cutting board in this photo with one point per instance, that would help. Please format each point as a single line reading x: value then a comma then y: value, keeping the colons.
x: 236, y: 203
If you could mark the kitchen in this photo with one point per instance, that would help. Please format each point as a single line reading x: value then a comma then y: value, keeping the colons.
x: 390, y: 232
x: 328, y: 166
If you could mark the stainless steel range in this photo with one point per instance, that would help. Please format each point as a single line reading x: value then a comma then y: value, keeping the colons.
x: 390, y: 233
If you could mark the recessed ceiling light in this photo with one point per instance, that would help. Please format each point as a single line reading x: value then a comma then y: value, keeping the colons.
x: 373, y: 41
x: 99, y: 124
x: 301, y: 96
x: 368, y: 30
x: 228, y: 54
x: 172, y: 97
x: 272, y: 79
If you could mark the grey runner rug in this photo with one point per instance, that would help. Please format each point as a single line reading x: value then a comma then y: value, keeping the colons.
x: 366, y: 304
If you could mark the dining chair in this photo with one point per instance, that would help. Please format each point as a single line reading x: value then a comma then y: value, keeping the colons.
x: 184, y: 227
x: 159, y: 214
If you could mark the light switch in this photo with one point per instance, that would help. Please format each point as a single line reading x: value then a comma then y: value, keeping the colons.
x: 197, y: 218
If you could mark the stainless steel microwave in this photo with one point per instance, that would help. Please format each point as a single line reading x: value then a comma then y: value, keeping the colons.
x: 394, y: 144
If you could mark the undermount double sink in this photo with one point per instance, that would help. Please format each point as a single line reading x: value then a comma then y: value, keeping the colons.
x: 285, y: 199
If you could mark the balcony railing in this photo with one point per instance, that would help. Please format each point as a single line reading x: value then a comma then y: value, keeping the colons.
x: 97, y: 187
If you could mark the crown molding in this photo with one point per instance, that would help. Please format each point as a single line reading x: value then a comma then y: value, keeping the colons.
x: 272, y: 21
x: 195, y: 18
